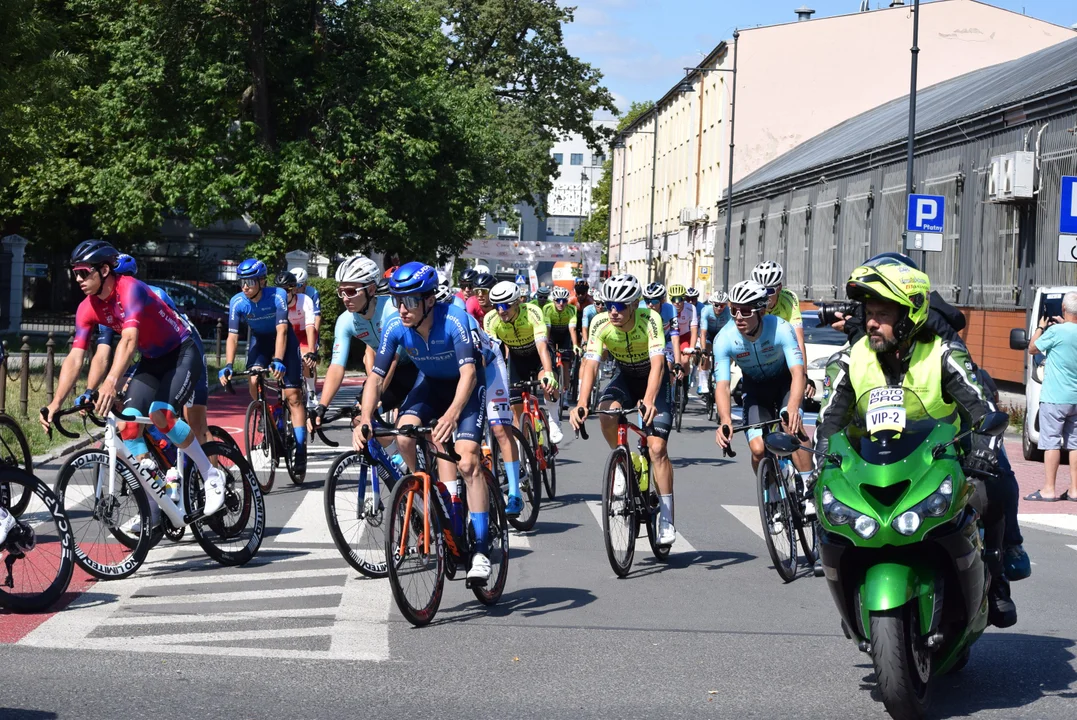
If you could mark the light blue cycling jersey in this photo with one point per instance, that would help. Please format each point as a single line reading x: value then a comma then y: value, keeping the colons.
x: 450, y: 345
x: 589, y: 312
x: 353, y: 325
x: 768, y: 357
x: 711, y: 324
x: 669, y: 320
x: 105, y: 333
x: 263, y: 316
x: 312, y: 292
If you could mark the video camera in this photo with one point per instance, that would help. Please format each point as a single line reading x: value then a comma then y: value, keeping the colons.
x: 827, y: 311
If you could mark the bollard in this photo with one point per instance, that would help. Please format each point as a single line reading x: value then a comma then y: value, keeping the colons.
x: 24, y: 377
x: 3, y: 376
x: 50, y: 359
x: 220, y: 330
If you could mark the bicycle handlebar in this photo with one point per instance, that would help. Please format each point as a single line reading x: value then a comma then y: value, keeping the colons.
x: 57, y: 416
x: 319, y: 429
x: 418, y: 433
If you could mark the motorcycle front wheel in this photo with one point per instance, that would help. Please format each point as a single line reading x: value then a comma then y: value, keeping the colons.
x: 902, y: 662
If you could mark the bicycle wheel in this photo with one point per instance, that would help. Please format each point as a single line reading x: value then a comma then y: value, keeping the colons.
x: 808, y: 532
x: 776, y: 514
x: 619, y: 522
x: 38, y: 555
x: 417, y: 577
x: 355, y: 515
x: 549, y: 476
x: 678, y: 407
x: 219, y: 434
x: 102, y: 523
x: 498, y: 551
x: 290, y: 446
x: 261, y: 450
x: 233, y: 535
x: 15, y: 452
x: 530, y: 484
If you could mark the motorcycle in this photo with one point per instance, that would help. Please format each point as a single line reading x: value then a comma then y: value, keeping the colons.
x: 901, y: 543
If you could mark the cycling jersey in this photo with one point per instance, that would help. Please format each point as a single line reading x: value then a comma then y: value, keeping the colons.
x: 522, y: 334
x: 474, y: 308
x: 710, y: 323
x: 669, y: 320
x: 589, y: 313
x: 450, y: 345
x: 301, y: 316
x: 132, y: 304
x: 632, y: 350
x: 687, y: 319
x: 316, y: 299
x: 263, y: 316
x: 105, y: 333
x: 559, y: 319
x: 788, y: 308
x: 769, y: 356
x: 369, y: 332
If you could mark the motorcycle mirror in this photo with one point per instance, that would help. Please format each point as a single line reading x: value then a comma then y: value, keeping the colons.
x: 781, y: 444
x: 994, y: 423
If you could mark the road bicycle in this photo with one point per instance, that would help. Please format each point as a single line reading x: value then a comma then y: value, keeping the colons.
x: 530, y: 475
x: 430, y: 537
x: 15, y: 452
x: 562, y: 378
x: 782, y: 506
x: 636, y: 504
x: 534, y: 426
x: 267, y: 432
x: 109, y: 497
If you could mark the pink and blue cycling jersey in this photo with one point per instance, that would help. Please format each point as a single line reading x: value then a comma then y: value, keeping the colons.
x: 132, y: 304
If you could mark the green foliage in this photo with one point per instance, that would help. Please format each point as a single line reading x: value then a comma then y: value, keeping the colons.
x: 332, y: 307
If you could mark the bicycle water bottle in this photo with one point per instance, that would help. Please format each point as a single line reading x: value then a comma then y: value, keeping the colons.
x: 399, y: 465
x: 148, y: 466
x: 278, y: 416
x: 172, y: 484
x: 645, y: 473
x: 457, y: 515
x: 539, y: 428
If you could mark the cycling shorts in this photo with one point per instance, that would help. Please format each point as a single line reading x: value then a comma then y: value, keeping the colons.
x: 498, y: 407
x: 765, y: 401
x: 403, y: 381
x: 560, y: 339
x: 170, y: 378
x: 522, y: 368
x: 630, y: 391
x: 200, y: 396
x: 685, y: 347
x: 260, y: 354
x: 431, y: 397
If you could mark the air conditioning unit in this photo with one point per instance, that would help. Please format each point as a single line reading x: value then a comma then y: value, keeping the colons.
x: 1012, y: 177
x: 693, y: 215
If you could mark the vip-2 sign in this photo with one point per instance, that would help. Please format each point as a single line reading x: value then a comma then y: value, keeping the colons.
x: 1067, y: 220
x: 886, y: 410
x: 925, y: 219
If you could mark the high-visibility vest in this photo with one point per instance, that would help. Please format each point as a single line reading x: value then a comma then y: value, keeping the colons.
x: 924, y: 376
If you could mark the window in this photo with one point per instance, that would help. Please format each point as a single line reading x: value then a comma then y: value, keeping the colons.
x: 562, y: 226
x: 597, y: 159
x: 559, y: 158
x: 577, y: 158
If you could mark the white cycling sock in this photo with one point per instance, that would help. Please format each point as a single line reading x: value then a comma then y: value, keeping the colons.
x: 194, y: 452
x: 666, y: 507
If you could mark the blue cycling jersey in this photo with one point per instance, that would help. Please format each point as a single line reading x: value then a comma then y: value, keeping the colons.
x: 487, y: 349
x: 450, y: 346
x: 710, y: 323
x: 588, y: 314
x: 369, y: 332
x: 105, y: 333
x: 312, y: 292
x: 669, y: 320
x: 769, y: 356
x: 262, y: 316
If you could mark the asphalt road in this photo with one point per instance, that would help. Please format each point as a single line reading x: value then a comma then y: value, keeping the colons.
x: 713, y: 632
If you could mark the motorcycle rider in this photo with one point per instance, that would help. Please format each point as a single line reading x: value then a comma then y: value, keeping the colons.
x: 898, y: 349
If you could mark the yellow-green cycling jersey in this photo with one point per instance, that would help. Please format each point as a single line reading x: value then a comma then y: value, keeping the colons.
x: 520, y: 334
x: 788, y: 308
x: 559, y: 319
x: 632, y: 350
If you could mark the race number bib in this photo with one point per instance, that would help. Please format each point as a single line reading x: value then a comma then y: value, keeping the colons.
x: 886, y: 410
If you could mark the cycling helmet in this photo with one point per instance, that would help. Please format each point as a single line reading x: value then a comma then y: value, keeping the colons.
x: 597, y: 295
x: 444, y: 293
x: 467, y: 277
x: 749, y: 292
x: 718, y: 297
x: 480, y: 269
x: 285, y: 279
x: 94, y: 252
x: 692, y: 294
x: 443, y: 280
x: 677, y: 290
x: 894, y: 282
x: 654, y: 291
x: 300, y: 275
x: 888, y: 258
x: 389, y: 273
x: 504, y: 292
x: 768, y: 274
x: 126, y: 265
x: 383, y: 287
x: 582, y: 283
x: 543, y: 291
x: 622, y: 289
x: 251, y: 268
x: 358, y: 269
x: 413, y: 278
x: 559, y: 293
x: 485, y: 281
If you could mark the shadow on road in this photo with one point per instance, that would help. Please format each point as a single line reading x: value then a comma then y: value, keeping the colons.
x: 681, y: 462
x: 16, y: 714
x: 530, y: 602
x: 543, y: 527
x: 646, y: 564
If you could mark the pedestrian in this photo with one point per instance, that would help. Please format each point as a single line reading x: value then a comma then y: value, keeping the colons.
x: 1056, y: 338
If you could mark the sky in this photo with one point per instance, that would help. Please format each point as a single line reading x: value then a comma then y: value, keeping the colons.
x: 643, y: 46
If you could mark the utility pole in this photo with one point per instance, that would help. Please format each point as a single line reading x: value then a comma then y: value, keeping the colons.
x: 909, y: 182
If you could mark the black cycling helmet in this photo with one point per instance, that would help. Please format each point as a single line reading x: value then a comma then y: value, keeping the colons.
x: 95, y: 252
x: 286, y: 279
x: 467, y: 277
x: 892, y: 258
x: 485, y: 281
x: 581, y: 283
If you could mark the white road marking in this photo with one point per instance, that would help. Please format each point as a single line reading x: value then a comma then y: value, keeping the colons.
x: 748, y: 515
x: 307, y: 524
x: 642, y: 544
x: 1050, y: 521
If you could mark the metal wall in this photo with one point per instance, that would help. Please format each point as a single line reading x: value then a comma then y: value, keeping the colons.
x: 993, y: 253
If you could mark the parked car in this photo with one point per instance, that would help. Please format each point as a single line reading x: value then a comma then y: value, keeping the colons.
x: 1046, y: 303
x: 204, y: 303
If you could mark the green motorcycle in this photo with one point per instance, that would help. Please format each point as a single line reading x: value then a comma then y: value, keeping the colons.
x: 901, y: 545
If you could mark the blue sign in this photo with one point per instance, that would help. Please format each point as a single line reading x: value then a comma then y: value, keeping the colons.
x: 521, y: 280
x: 1067, y: 216
x: 925, y: 213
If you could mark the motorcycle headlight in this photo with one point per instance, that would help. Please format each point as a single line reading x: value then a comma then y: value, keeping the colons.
x: 934, y: 505
x: 907, y: 522
x: 865, y: 527
x: 839, y: 514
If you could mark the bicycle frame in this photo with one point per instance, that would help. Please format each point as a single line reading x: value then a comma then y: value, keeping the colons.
x: 457, y: 545
x: 532, y: 411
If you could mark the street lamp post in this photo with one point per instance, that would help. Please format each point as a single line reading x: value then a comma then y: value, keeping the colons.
x: 915, y: 51
x: 650, y: 226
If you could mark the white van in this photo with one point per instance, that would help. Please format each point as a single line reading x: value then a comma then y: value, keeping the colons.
x: 1047, y: 303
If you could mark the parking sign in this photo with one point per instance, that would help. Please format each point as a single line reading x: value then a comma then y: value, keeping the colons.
x: 924, y: 221
x: 1067, y: 215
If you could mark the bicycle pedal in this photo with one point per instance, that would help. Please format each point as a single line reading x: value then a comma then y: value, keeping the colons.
x: 470, y: 583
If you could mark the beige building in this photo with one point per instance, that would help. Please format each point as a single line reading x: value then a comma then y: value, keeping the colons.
x: 793, y: 81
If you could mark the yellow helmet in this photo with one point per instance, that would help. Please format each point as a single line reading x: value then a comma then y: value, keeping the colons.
x: 677, y: 291
x: 894, y: 282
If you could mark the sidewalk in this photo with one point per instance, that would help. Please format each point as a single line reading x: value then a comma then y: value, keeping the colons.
x: 1058, y: 516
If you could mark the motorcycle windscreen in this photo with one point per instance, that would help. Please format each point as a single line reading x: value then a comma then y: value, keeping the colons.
x: 888, y: 424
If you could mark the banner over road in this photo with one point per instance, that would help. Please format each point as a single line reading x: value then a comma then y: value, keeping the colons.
x: 531, y: 252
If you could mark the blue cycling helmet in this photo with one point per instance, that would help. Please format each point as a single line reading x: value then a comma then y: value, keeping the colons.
x: 414, y: 277
x: 251, y: 268
x: 126, y: 265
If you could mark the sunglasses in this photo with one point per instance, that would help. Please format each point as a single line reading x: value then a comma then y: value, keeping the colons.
x: 559, y: 302
x: 742, y: 311
x: 411, y: 302
x: 676, y: 298
x: 348, y: 293
x: 81, y: 273
x: 504, y: 307
x: 482, y: 291
x: 654, y: 301
x: 617, y: 306
x: 249, y: 282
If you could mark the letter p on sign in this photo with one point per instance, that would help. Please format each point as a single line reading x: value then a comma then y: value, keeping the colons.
x: 926, y: 210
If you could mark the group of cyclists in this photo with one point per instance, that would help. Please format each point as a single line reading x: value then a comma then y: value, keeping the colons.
x: 454, y: 358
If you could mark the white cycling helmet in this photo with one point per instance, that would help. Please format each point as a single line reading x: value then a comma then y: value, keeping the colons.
x: 654, y: 290
x: 768, y: 274
x: 597, y: 295
x: 718, y: 297
x: 748, y: 292
x: 559, y: 293
x: 622, y: 289
x: 482, y: 269
x: 358, y: 269
x: 300, y: 275
x: 505, y: 291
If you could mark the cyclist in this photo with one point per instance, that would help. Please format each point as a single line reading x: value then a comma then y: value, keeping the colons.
x: 272, y: 345
x: 633, y: 336
x: 479, y: 305
x: 169, y: 367
x: 687, y: 324
x: 782, y: 302
x: 467, y: 282
x: 522, y: 331
x: 302, y: 319
x: 899, y: 349
x: 447, y: 391
x: 316, y: 299
x: 560, y: 319
x: 766, y: 350
x: 714, y: 317
x: 542, y: 297
x: 692, y: 296
x: 589, y: 313
x: 654, y: 299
